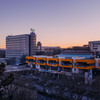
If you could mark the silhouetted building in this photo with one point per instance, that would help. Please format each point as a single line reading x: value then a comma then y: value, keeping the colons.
x: 39, y: 46
x: 51, y: 50
x: 2, y: 53
x: 76, y: 50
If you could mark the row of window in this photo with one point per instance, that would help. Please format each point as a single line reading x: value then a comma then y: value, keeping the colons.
x: 64, y: 63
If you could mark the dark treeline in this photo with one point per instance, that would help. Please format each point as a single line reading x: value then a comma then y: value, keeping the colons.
x: 2, y: 53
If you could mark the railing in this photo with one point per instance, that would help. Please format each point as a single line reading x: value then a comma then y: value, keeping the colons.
x: 65, y: 63
x: 53, y: 63
x: 41, y: 62
x: 84, y: 64
x: 31, y: 60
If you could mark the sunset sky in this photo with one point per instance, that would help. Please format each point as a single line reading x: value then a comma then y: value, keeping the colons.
x: 62, y: 23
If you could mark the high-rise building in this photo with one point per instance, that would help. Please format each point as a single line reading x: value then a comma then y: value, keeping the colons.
x: 18, y: 45
x: 32, y: 45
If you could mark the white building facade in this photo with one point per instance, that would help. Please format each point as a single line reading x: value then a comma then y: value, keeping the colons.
x: 94, y: 46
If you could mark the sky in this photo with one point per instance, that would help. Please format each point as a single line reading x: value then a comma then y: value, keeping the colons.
x: 63, y: 23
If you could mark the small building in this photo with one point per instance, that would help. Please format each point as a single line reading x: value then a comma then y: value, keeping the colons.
x: 95, y: 47
x: 39, y: 46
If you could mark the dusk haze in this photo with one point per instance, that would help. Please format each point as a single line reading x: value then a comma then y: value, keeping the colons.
x: 63, y: 23
x: 49, y: 49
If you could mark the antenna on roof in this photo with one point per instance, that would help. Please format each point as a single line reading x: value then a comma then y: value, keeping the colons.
x: 32, y: 30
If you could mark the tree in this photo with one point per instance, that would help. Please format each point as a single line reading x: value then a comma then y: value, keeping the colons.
x: 4, y: 80
x: 2, y: 68
x: 2, y: 53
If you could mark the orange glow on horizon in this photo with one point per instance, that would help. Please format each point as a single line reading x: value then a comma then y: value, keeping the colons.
x: 2, y: 46
x: 61, y: 46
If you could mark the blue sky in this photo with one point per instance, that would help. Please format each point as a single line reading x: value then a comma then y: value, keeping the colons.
x: 62, y: 23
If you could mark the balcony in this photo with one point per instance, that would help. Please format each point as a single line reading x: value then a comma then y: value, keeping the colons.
x: 53, y: 62
x: 41, y: 61
x: 68, y: 63
x: 85, y: 64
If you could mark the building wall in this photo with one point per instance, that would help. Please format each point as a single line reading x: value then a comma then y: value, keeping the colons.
x: 20, y: 44
x: 39, y: 46
x: 94, y: 46
x: 32, y: 44
x: 17, y: 45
